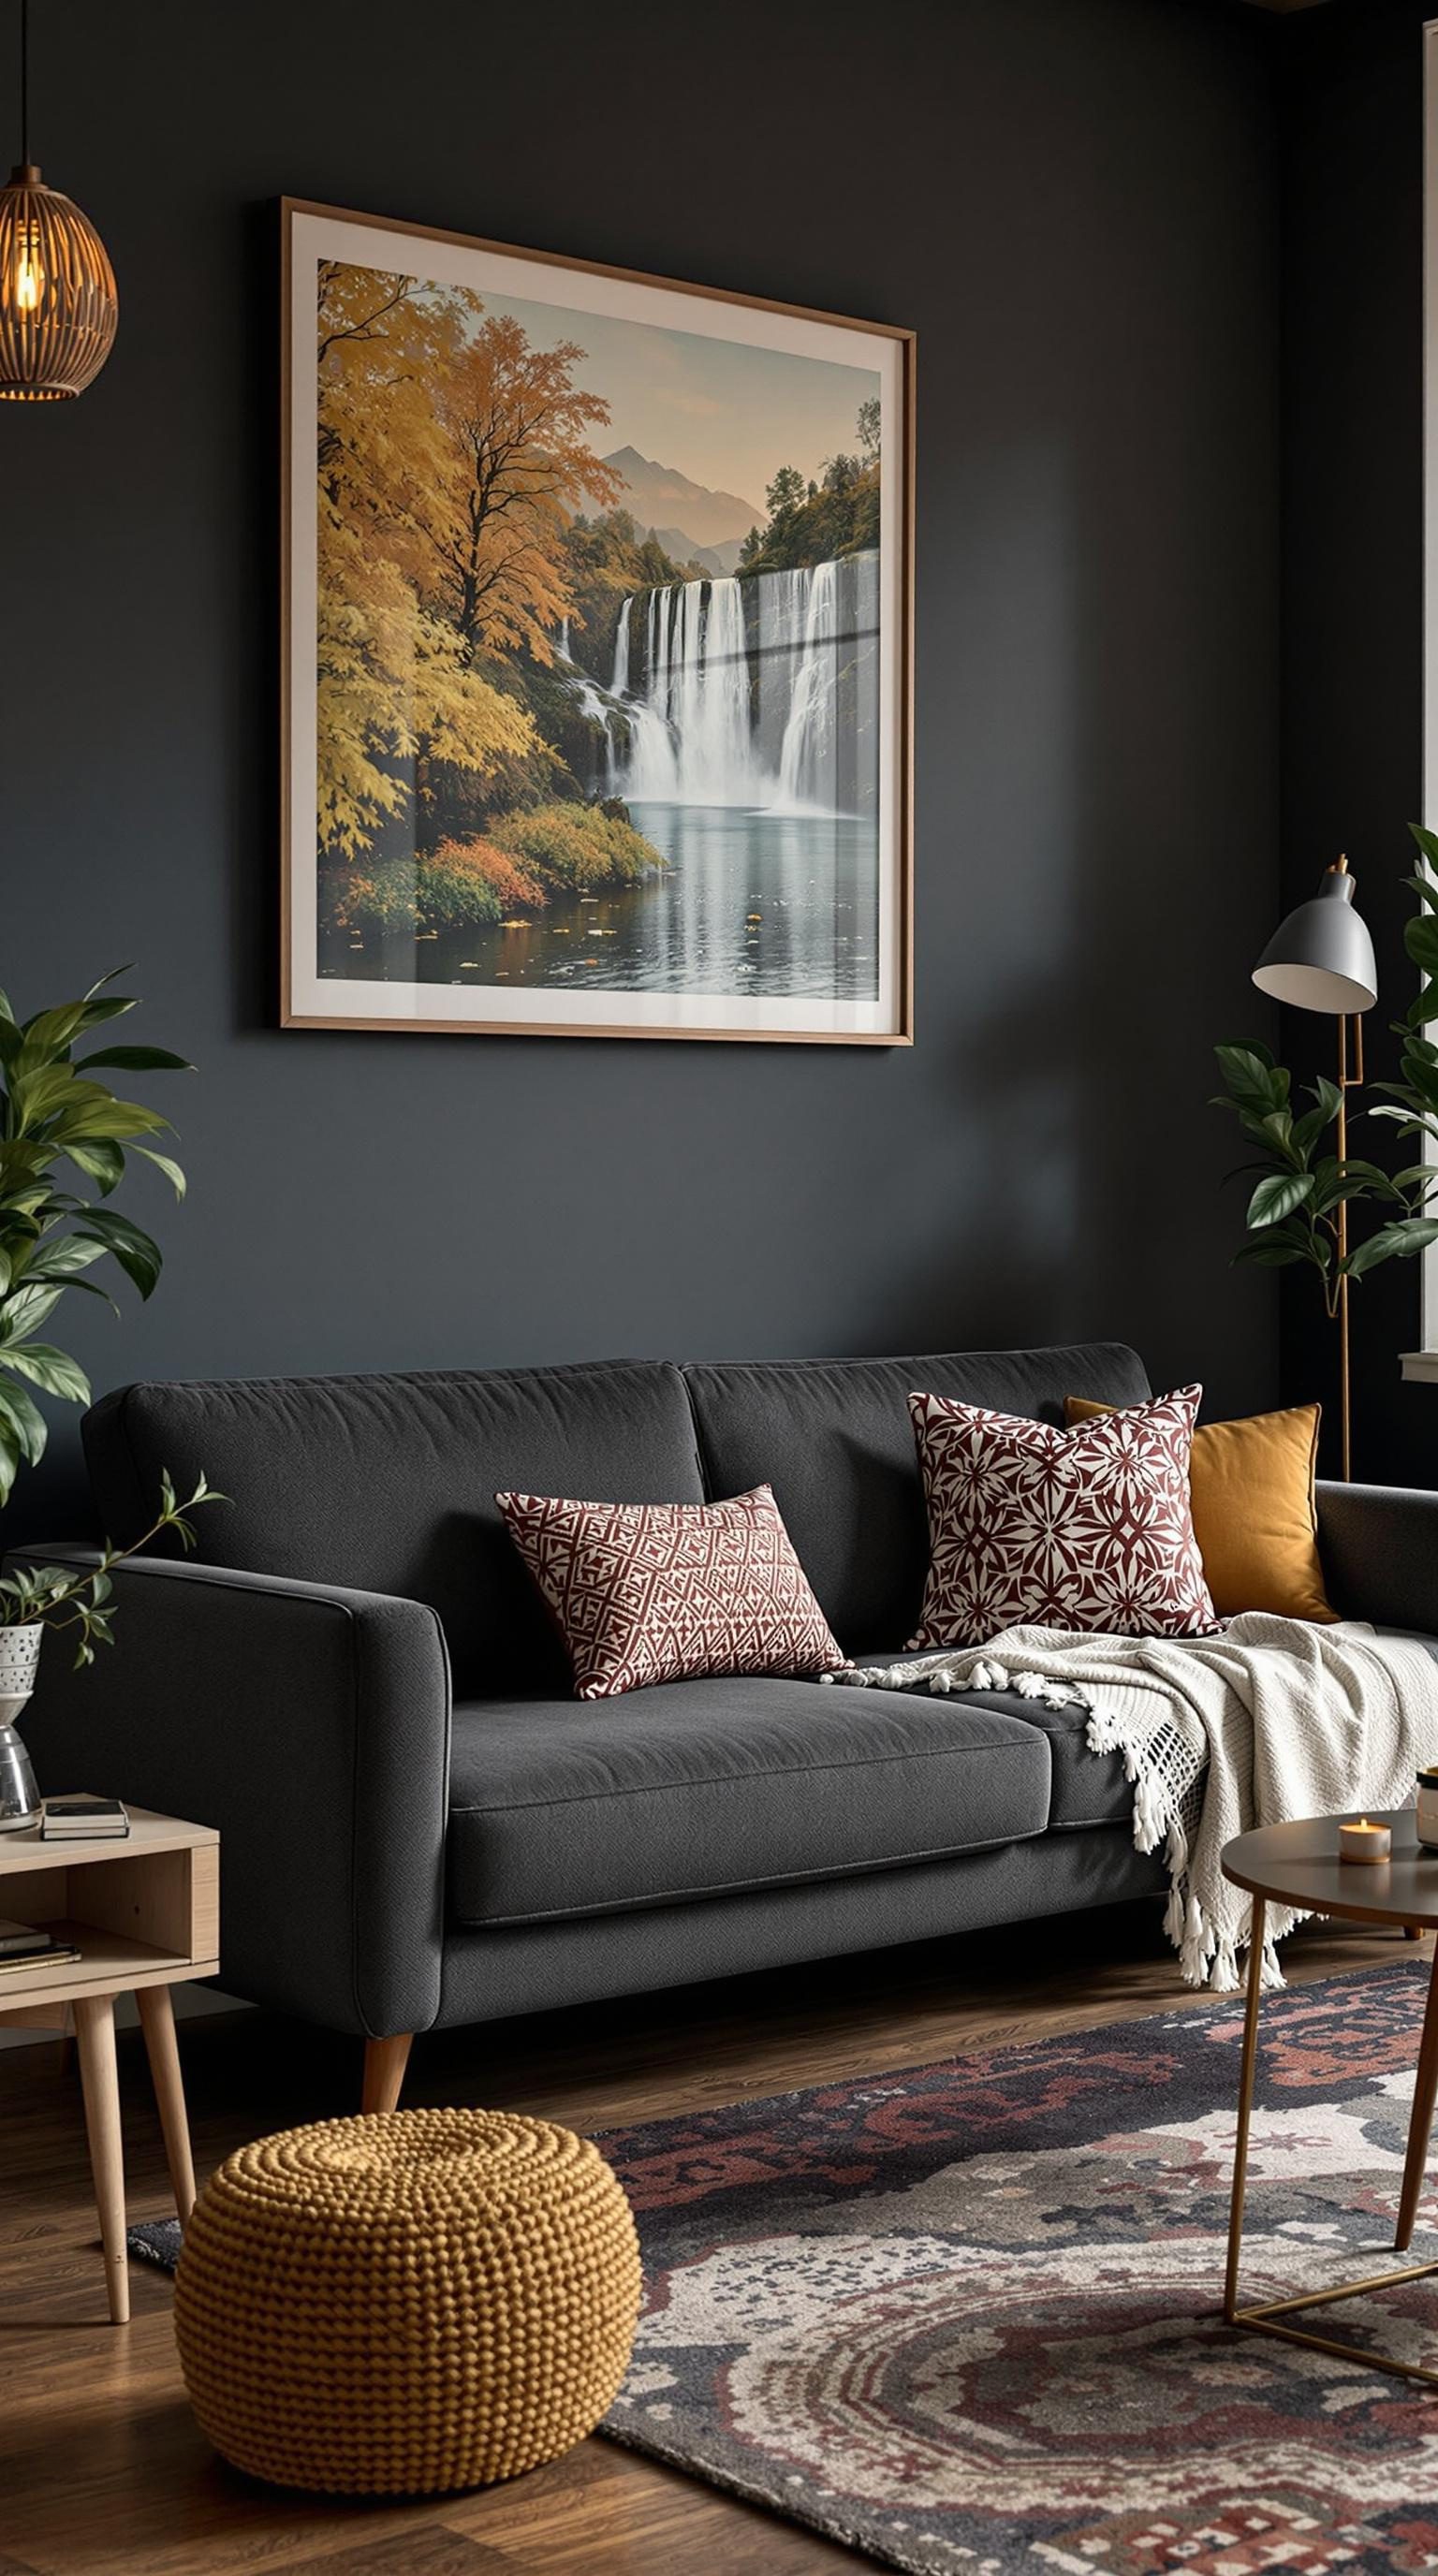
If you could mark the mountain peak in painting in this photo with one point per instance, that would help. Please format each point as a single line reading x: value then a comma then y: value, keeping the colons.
x: 661, y: 497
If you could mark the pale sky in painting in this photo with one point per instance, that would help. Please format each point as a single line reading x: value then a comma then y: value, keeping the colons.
x: 726, y: 415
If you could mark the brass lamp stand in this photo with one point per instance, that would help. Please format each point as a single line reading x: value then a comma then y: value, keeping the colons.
x: 1350, y: 1078
x: 1321, y: 959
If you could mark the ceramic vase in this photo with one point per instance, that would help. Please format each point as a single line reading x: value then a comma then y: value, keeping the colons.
x: 19, y: 1663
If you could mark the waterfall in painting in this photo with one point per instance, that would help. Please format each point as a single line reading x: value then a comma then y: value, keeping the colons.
x: 760, y: 693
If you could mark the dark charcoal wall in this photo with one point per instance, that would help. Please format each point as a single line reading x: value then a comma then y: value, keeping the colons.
x: 1073, y: 201
x: 1352, y: 126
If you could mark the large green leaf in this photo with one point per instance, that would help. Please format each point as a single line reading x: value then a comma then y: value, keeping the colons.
x: 1420, y: 938
x: 88, y: 1122
x: 1360, y: 1175
x: 1252, y: 1078
x: 1404, y: 1237
x: 1427, y: 842
x: 49, y: 1033
x: 1278, y: 1196
x: 1278, y: 1128
x: 1353, y: 1180
x: 1413, y: 1121
x: 52, y: 1370
x: 26, y: 1309
x: 36, y: 1096
x: 1420, y: 1076
x: 1327, y: 1100
x: 87, y: 1288
x: 102, y: 1164
x: 23, y: 1160
x: 9, y: 1462
x: 137, y: 1059
x: 136, y: 1252
x: 25, y: 1420
x: 165, y: 1163
x: 1273, y: 1256
x: 111, y: 1006
x: 61, y: 1256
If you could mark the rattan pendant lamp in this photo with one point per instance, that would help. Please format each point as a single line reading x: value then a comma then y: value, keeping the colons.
x: 58, y: 306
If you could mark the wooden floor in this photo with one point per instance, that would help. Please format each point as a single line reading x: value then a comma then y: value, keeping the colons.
x: 103, y: 2471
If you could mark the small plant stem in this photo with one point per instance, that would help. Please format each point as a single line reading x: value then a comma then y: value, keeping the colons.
x: 109, y: 1556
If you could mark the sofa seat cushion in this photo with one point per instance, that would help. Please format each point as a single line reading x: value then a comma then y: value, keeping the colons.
x: 1085, y: 1788
x: 701, y: 1788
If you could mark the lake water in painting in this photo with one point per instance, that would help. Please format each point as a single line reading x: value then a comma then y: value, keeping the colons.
x: 751, y: 903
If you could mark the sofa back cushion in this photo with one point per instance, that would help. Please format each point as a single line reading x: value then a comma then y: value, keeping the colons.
x: 388, y: 1483
x: 834, y: 1439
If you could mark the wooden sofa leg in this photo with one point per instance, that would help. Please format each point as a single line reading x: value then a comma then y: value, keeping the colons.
x: 1412, y: 1931
x: 384, y: 2063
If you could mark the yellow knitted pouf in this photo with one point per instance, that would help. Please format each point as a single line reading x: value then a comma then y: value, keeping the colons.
x: 407, y: 2303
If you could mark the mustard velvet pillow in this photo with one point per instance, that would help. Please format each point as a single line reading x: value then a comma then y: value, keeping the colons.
x: 1254, y: 1516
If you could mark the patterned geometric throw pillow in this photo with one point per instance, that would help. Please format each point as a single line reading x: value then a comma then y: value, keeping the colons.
x: 1059, y: 1529
x: 667, y: 1592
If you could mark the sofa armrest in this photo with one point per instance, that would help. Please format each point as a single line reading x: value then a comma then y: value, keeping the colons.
x: 1379, y: 1545
x: 310, y: 1725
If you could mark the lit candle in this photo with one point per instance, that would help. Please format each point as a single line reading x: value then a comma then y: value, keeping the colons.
x: 1364, y: 1841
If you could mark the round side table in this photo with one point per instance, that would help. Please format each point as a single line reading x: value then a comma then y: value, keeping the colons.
x: 1298, y: 1864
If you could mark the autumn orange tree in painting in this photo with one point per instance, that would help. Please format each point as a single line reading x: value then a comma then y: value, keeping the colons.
x: 518, y: 468
x: 453, y: 458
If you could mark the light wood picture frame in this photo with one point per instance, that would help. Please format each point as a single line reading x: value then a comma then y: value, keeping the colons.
x: 597, y: 649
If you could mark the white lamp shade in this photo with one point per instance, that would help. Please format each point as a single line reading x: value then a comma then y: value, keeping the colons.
x: 1321, y: 957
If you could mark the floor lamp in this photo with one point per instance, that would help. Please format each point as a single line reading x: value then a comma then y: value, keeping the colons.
x: 1321, y: 959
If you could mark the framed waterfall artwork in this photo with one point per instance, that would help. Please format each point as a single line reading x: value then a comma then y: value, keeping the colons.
x: 597, y: 649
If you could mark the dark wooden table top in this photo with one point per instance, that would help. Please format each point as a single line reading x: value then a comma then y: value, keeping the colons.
x: 1298, y: 1864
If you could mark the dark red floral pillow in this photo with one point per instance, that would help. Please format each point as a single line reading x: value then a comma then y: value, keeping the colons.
x: 1031, y: 1527
x: 667, y: 1592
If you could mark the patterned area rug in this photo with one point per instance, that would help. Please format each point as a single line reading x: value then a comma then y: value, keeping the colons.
x: 965, y: 2318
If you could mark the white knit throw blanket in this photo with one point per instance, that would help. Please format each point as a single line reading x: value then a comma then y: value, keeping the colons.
x: 1269, y: 1720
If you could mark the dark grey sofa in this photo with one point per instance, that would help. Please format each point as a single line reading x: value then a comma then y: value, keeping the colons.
x: 356, y: 1683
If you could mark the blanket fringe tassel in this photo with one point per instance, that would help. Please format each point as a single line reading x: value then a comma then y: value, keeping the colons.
x: 1205, y: 1959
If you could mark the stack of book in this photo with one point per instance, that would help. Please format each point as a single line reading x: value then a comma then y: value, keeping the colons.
x: 29, y: 1945
x: 84, y: 1819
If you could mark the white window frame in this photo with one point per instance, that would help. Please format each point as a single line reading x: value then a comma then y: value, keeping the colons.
x: 1423, y: 1364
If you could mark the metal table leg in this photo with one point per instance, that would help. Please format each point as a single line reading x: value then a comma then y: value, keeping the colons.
x: 1264, y: 2319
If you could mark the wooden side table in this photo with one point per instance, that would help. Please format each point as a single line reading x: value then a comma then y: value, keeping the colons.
x: 1298, y: 1864
x: 144, y: 1915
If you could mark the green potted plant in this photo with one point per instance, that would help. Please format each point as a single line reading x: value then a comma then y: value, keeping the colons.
x: 55, y: 1112
x: 1301, y: 1183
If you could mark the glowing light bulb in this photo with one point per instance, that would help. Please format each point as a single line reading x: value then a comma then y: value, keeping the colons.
x: 29, y: 282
